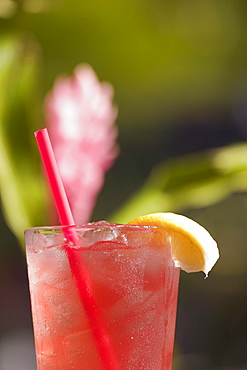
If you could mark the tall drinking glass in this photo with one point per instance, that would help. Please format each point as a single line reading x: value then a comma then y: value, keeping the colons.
x: 135, y: 286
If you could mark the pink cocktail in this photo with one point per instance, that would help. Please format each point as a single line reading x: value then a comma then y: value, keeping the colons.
x: 134, y: 283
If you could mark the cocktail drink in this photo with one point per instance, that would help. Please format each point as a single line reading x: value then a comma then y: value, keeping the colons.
x: 104, y: 296
x: 134, y: 283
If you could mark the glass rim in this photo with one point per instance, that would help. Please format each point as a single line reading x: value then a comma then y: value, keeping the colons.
x: 89, y: 226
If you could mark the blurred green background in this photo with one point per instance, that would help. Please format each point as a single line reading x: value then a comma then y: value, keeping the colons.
x: 179, y: 70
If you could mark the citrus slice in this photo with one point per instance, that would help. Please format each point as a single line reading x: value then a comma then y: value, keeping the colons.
x: 192, y: 247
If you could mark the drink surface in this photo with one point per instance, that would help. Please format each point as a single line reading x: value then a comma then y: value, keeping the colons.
x: 135, y: 286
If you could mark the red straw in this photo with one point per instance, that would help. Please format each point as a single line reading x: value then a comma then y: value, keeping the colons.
x: 78, y: 269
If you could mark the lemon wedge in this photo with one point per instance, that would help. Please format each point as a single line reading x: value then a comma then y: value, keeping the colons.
x: 192, y: 247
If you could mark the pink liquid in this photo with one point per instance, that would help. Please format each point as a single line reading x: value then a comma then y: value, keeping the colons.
x: 135, y: 286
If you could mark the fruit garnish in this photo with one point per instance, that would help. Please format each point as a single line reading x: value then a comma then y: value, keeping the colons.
x: 192, y: 247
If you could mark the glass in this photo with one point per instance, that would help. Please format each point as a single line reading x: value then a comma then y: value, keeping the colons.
x: 135, y: 285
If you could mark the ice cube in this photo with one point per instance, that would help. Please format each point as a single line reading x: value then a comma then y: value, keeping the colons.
x: 102, y: 232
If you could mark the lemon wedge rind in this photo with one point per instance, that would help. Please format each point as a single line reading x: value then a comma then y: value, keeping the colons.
x: 192, y: 247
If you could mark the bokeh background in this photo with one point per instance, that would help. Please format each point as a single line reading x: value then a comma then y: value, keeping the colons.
x: 179, y: 70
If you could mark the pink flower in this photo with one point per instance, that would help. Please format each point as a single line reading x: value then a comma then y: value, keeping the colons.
x: 80, y: 117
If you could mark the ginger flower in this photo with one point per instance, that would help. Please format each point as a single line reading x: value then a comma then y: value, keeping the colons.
x: 80, y: 117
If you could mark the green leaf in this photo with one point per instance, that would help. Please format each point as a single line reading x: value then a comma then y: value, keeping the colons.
x: 21, y: 185
x: 193, y: 181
